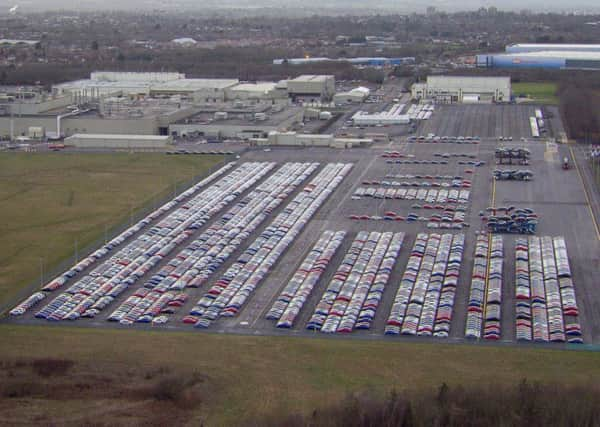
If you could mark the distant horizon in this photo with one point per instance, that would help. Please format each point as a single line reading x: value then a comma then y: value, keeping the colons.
x: 308, y: 6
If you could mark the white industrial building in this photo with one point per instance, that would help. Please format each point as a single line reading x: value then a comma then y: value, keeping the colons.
x: 393, y: 116
x: 109, y: 83
x: 356, y: 95
x: 551, y: 47
x: 461, y: 89
x: 125, y: 142
x: 293, y: 139
x: 257, y: 91
x: 201, y: 90
x: 312, y: 86
x: 245, y: 122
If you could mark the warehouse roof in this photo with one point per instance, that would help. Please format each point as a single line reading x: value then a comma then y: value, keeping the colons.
x: 471, y: 81
x: 552, y: 47
x: 194, y: 84
x: 311, y: 78
x: 157, y: 138
x: 262, y: 87
x: 15, y: 42
x: 591, y: 56
x: 186, y: 85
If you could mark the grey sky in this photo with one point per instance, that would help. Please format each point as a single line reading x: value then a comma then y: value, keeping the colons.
x: 314, y: 5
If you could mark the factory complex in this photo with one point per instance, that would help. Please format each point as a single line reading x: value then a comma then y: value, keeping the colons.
x: 459, y: 89
x: 158, y: 109
x: 163, y: 104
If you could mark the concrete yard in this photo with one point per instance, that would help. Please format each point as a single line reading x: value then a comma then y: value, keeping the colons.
x: 558, y: 196
x: 485, y: 121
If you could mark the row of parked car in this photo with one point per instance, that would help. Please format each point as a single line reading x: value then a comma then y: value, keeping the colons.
x: 456, y: 155
x: 523, y: 304
x: 449, y: 219
x: 147, y: 306
x: 485, y: 295
x: 195, y: 263
x: 552, y: 294
x: 418, y: 176
x: 29, y: 302
x: 455, y: 183
x: 567, y: 292
x: 493, y: 307
x: 146, y: 250
x: 445, y: 139
x: 136, y: 228
x: 424, y: 301
x: 428, y: 196
x: 417, y: 162
x: 227, y: 295
x: 295, y: 293
x: 353, y: 295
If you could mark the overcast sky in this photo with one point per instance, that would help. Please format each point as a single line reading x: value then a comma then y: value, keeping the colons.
x: 341, y: 5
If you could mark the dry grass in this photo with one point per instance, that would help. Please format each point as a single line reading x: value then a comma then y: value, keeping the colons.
x: 51, y: 201
x: 240, y: 377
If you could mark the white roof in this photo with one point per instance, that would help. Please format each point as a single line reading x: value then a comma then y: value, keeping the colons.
x: 591, y: 56
x: 361, y: 89
x: 172, y: 85
x: 184, y: 40
x: 104, y: 86
x: 16, y: 41
x: 262, y: 87
x: 552, y: 46
x: 159, y: 138
x: 194, y: 84
x: 312, y: 78
x: 471, y: 82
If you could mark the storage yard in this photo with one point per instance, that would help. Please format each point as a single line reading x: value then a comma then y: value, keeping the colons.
x: 382, y: 242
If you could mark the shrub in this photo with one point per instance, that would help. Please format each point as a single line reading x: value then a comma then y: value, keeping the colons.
x: 51, y: 367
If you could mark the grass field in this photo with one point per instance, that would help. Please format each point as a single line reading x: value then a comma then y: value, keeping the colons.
x: 229, y: 378
x: 542, y: 92
x: 55, y: 203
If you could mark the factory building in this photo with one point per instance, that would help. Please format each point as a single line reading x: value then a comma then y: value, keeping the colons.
x: 244, y: 122
x: 312, y: 87
x: 361, y: 61
x: 550, y: 56
x: 260, y: 91
x: 545, y: 47
x: 460, y: 89
x: 112, y: 115
x: 200, y: 90
x: 102, y: 84
x: 293, y: 139
x: 561, y: 60
x: 124, y: 142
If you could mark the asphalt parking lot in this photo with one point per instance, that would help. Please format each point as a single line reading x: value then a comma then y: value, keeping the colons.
x: 485, y: 121
x: 557, y: 195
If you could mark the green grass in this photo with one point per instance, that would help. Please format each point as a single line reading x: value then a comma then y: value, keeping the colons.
x: 255, y: 376
x: 52, y: 202
x: 542, y: 92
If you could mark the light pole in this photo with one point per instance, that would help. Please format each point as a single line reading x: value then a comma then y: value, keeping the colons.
x: 41, y: 271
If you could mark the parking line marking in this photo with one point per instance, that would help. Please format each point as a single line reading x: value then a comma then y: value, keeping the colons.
x: 585, y: 192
